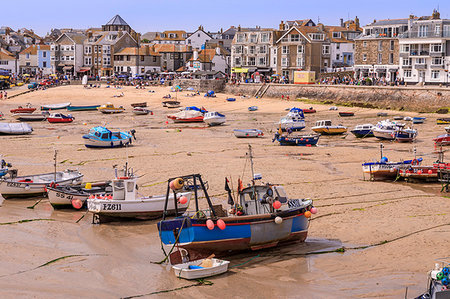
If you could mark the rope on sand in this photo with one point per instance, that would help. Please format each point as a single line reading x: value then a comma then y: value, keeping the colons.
x: 26, y: 220
x: 200, y: 282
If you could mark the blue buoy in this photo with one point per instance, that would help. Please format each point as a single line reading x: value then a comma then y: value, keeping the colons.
x: 445, y: 281
x: 445, y: 271
x: 384, y: 160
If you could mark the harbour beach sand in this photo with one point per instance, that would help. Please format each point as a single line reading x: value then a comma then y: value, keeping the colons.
x: 114, y: 260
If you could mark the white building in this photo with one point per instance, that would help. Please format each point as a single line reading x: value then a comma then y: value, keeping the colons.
x: 198, y: 39
x: 8, y: 61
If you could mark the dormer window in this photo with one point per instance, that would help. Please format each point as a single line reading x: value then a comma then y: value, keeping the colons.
x: 336, y: 35
x: 316, y: 36
x: 163, y: 35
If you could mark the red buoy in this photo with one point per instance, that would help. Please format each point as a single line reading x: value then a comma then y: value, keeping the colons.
x: 210, y: 224
x: 221, y: 224
x: 276, y: 204
x: 77, y: 203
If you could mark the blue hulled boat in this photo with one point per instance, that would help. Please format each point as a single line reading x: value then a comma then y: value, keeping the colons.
x: 103, y: 137
x: 300, y: 140
x: 363, y: 131
x: 418, y: 120
x: 293, y: 121
x: 263, y: 217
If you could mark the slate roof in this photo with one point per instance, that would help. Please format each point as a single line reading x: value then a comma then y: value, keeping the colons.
x: 117, y: 20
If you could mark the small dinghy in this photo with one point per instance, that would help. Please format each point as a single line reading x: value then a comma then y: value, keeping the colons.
x: 142, y: 111
x: 34, y: 185
x: 20, y: 109
x: 15, y: 129
x: 407, y: 118
x: 443, y: 121
x: 346, y: 114
x: 201, y: 268
x: 83, y: 108
x: 60, y: 118
x: 442, y: 140
x: 325, y: 127
x: 231, y: 99
x: 248, y: 133
x: 382, y: 114
x: 309, y: 110
x: 31, y: 116
x: 142, y: 104
x: 420, y: 173
x: 404, y: 135
x: 299, y: 140
x: 103, y: 137
x: 126, y: 203
x: 333, y: 108
x: 74, y: 196
x: 55, y: 106
x: 171, y: 104
x: 214, y: 118
x: 398, y: 117
x: 109, y: 108
x: 252, y: 108
x: 418, y: 120
x: 363, y: 131
x: 186, y: 116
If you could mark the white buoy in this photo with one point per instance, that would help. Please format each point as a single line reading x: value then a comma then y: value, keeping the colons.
x: 27, y: 187
x: 278, y: 220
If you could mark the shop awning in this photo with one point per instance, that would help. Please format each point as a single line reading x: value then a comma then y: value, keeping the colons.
x: 69, y: 67
x: 265, y: 70
x: 107, y: 68
x: 252, y: 69
x: 83, y: 70
x: 239, y: 70
x: 393, y: 70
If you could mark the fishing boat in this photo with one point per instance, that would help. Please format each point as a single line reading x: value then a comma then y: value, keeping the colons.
x: 262, y: 217
x: 83, y: 108
x: 34, y: 185
x: 103, y: 137
x: 252, y: 108
x: 363, y: 131
x: 346, y: 114
x: 385, y: 170
x: 200, y: 268
x: 438, y: 283
x: 420, y: 173
x: 142, y: 104
x: 293, y: 121
x: 75, y: 196
x: 15, y: 129
x: 20, y: 109
x: 60, y: 118
x: 325, y: 127
x: 109, y: 108
x: 443, y: 121
x: 309, y: 110
x: 300, y: 140
x: 442, y: 140
x: 31, y: 116
x: 386, y: 129
x: 142, y: 111
x: 126, y: 203
x: 55, y: 106
x: 248, y: 133
x: 171, y: 104
x: 214, y: 118
x: 418, y: 120
x: 404, y: 134
x: 186, y: 116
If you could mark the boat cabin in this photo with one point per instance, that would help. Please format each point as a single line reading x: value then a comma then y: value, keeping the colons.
x: 104, y: 133
x: 258, y: 199
x: 213, y: 114
x: 124, y: 188
x: 323, y: 123
x: 364, y: 127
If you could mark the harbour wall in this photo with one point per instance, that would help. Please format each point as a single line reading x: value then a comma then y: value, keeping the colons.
x: 420, y: 99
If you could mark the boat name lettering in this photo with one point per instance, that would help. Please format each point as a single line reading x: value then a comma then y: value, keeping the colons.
x: 294, y: 203
x: 13, y: 184
x: 62, y: 195
x: 112, y: 206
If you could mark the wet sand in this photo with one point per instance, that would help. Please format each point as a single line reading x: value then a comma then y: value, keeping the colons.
x: 114, y: 260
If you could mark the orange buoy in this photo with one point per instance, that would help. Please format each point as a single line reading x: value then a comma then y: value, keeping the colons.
x: 308, y: 214
x: 210, y: 224
x: 276, y: 204
x: 221, y: 224
x: 77, y: 203
x: 183, y: 200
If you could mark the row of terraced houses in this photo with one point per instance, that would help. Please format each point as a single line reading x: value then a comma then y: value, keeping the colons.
x: 414, y: 49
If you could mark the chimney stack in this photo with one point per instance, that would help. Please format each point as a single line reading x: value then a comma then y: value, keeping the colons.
x: 342, y: 22
x: 281, y: 25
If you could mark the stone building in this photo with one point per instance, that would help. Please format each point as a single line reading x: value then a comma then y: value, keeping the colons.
x: 133, y: 60
x: 377, y: 49
x: 67, y: 53
x: 173, y: 57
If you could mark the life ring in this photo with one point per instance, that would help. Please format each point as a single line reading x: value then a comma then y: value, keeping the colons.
x: 415, y: 162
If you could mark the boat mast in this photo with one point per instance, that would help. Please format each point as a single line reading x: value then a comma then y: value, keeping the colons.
x: 381, y: 150
x: 253, y: 176
x: 54, y: 158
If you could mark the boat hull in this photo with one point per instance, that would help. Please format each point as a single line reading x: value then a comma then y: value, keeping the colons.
x: 55, y: 106
x: 241, y: 232
x: 248, y: 133
x: 384, y: 171
x: 111, y: 111
x: 299, y: 141
x: 148, y: 207
x: 186, y: 120
x: 93, y: 143
x: 15, y: 129
x: 82, y: 108
x: 362, y: 133
x: 63, y: 197
x: 217, y: 121
x: 14, y: 188
x: 59, y: 120
x: 384, y: 134
x: 329, y: 130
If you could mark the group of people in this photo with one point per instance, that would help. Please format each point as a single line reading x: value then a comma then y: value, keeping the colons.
x: 367, y: 81
x: 3, y: 95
